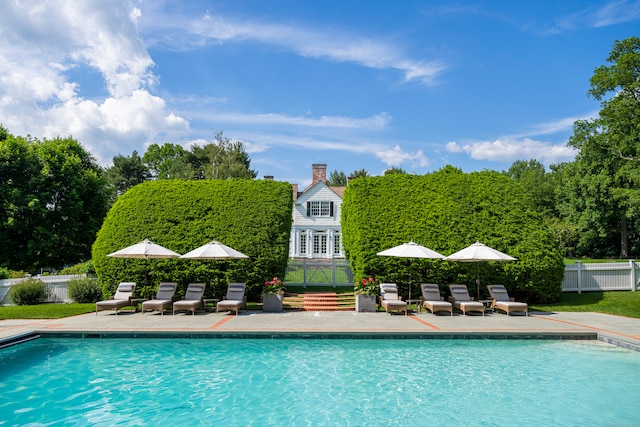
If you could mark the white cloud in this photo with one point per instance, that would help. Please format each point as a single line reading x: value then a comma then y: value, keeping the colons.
x: 331, y: 45
x: 509, y: 150
x: 378, y: 121
x: 41, y: 42
x: 396, y: 157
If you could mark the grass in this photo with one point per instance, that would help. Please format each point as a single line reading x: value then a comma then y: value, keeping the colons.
x: 44, y: 311
x: 621, y: 303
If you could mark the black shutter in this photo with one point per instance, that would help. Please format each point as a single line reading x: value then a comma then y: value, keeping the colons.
x: 330, y: 208
x: 308, y: 208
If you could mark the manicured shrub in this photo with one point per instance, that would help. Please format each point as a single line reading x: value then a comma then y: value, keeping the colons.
x: 253, y: 217
x: 84, y: 290
x: 4, y: 273
x: 81, y: 268
x: 447, y: 211
x: 30, y: 292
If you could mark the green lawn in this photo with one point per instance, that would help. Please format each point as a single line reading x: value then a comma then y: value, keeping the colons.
x: 44, y: 311
x: 622, y: 303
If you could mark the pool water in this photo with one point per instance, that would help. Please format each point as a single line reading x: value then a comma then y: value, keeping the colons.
x: 313, y: 382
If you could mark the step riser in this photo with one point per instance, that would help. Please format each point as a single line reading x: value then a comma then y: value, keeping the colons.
x: 319, y: 302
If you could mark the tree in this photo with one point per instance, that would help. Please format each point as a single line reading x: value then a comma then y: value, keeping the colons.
x: 126, y: 172
x: 607, y: 166
x: 167, y: 161
x: 337, y: 179
x: 228, y: 159
x: 53, y: 201
x: 537, y: 182
x: 393, y: 170
x: 359, y: 173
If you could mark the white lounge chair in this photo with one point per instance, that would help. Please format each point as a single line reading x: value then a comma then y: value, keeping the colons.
x: 163, y: 299
x: 122, y: 298
x: 461, y: 300
x: 432, y: 300
x: 501, y: 301
x: 234, y: 300
x: 192, y: 299
x: 390, y: 300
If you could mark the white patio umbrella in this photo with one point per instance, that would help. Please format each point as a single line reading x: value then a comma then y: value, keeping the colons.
x: 214, y: 250
x: 145, y: 249
x: 411, y: 250
x: 476, y: 253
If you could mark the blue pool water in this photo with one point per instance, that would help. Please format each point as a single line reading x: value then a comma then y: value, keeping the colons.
x: 311, y: 382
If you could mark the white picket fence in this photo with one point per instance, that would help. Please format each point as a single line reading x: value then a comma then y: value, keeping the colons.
x: 611, y: 276
x: 57, y: 286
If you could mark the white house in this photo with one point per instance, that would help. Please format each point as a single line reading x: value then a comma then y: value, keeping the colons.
x: 316, y: 230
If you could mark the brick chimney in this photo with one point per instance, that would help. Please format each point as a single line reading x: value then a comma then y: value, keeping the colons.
x: 295, y: 191
x: 319, y: 173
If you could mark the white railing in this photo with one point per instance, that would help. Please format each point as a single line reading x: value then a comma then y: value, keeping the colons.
x: 610, y: 276
x: 57, y: 286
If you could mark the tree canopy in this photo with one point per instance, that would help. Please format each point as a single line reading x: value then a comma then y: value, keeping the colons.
x: 602, y: 195
x: 53, y: 200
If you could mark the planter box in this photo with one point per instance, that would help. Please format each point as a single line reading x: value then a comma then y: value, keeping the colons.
x: 272, y: 303
x: 365, y: 303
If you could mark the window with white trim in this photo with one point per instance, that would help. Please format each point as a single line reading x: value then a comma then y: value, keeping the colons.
x: 336, y: 243
x: 320, y: 208
x: 303, y: 244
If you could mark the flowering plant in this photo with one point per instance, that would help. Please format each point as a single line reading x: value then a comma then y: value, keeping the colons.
x: 366, y: 286
x: 273, y: 286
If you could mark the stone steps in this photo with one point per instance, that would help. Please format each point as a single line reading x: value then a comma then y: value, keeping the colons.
x: 319, y: 301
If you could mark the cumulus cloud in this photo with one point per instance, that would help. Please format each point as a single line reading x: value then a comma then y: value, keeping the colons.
x: 396, y: 157
x: 506, y: 149
x: 41, y: 43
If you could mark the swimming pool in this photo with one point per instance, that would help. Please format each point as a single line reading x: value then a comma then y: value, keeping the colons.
x: 317, y: 382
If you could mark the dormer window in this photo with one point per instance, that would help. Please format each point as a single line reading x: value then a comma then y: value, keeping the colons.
x: 320, y: 208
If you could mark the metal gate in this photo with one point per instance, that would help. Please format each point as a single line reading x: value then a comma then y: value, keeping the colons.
x: 319, y: 272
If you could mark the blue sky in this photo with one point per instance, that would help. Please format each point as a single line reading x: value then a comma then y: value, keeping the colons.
x: 353, y: 84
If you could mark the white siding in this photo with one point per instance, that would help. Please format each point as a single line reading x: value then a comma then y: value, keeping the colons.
x: 312, y: 226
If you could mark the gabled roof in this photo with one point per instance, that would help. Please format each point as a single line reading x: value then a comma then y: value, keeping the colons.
x: 338, y: 190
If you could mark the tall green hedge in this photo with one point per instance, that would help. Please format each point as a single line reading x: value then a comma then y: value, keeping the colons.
x: 447, y: 211
x: 253, y: 217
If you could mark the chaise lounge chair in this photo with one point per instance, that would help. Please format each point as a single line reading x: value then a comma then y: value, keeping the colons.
x: 192, y: 299
x: 462, y: 300
x: 122, y: 298
x: 163, y: 300
x: 432, y: 300
x: 390, y: 300
x: 234, y: 300
x: 501, y: 301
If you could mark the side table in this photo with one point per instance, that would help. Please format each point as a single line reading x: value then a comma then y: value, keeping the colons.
x: 414, y: 301
x: 210, y: 303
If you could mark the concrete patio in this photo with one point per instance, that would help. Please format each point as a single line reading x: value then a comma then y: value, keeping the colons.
x: 617, y: 330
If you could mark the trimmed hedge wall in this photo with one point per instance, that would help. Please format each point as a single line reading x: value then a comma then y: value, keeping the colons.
x: 447, y: 211
x: 253, y: 217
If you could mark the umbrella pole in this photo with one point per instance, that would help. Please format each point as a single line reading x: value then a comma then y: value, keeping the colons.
x: 410, y: 275
x: 478, y: 280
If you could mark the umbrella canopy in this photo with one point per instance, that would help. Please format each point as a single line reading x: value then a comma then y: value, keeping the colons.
x: 411, y: 250
x: 214, y: 250
x: 476, y: 253
x: 145, y: 249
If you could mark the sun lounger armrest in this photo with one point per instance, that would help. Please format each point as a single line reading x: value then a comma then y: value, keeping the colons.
x: 451, y: 299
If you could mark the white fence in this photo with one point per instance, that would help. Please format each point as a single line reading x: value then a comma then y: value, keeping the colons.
x: 610, y: 276
x: 57, y: 286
